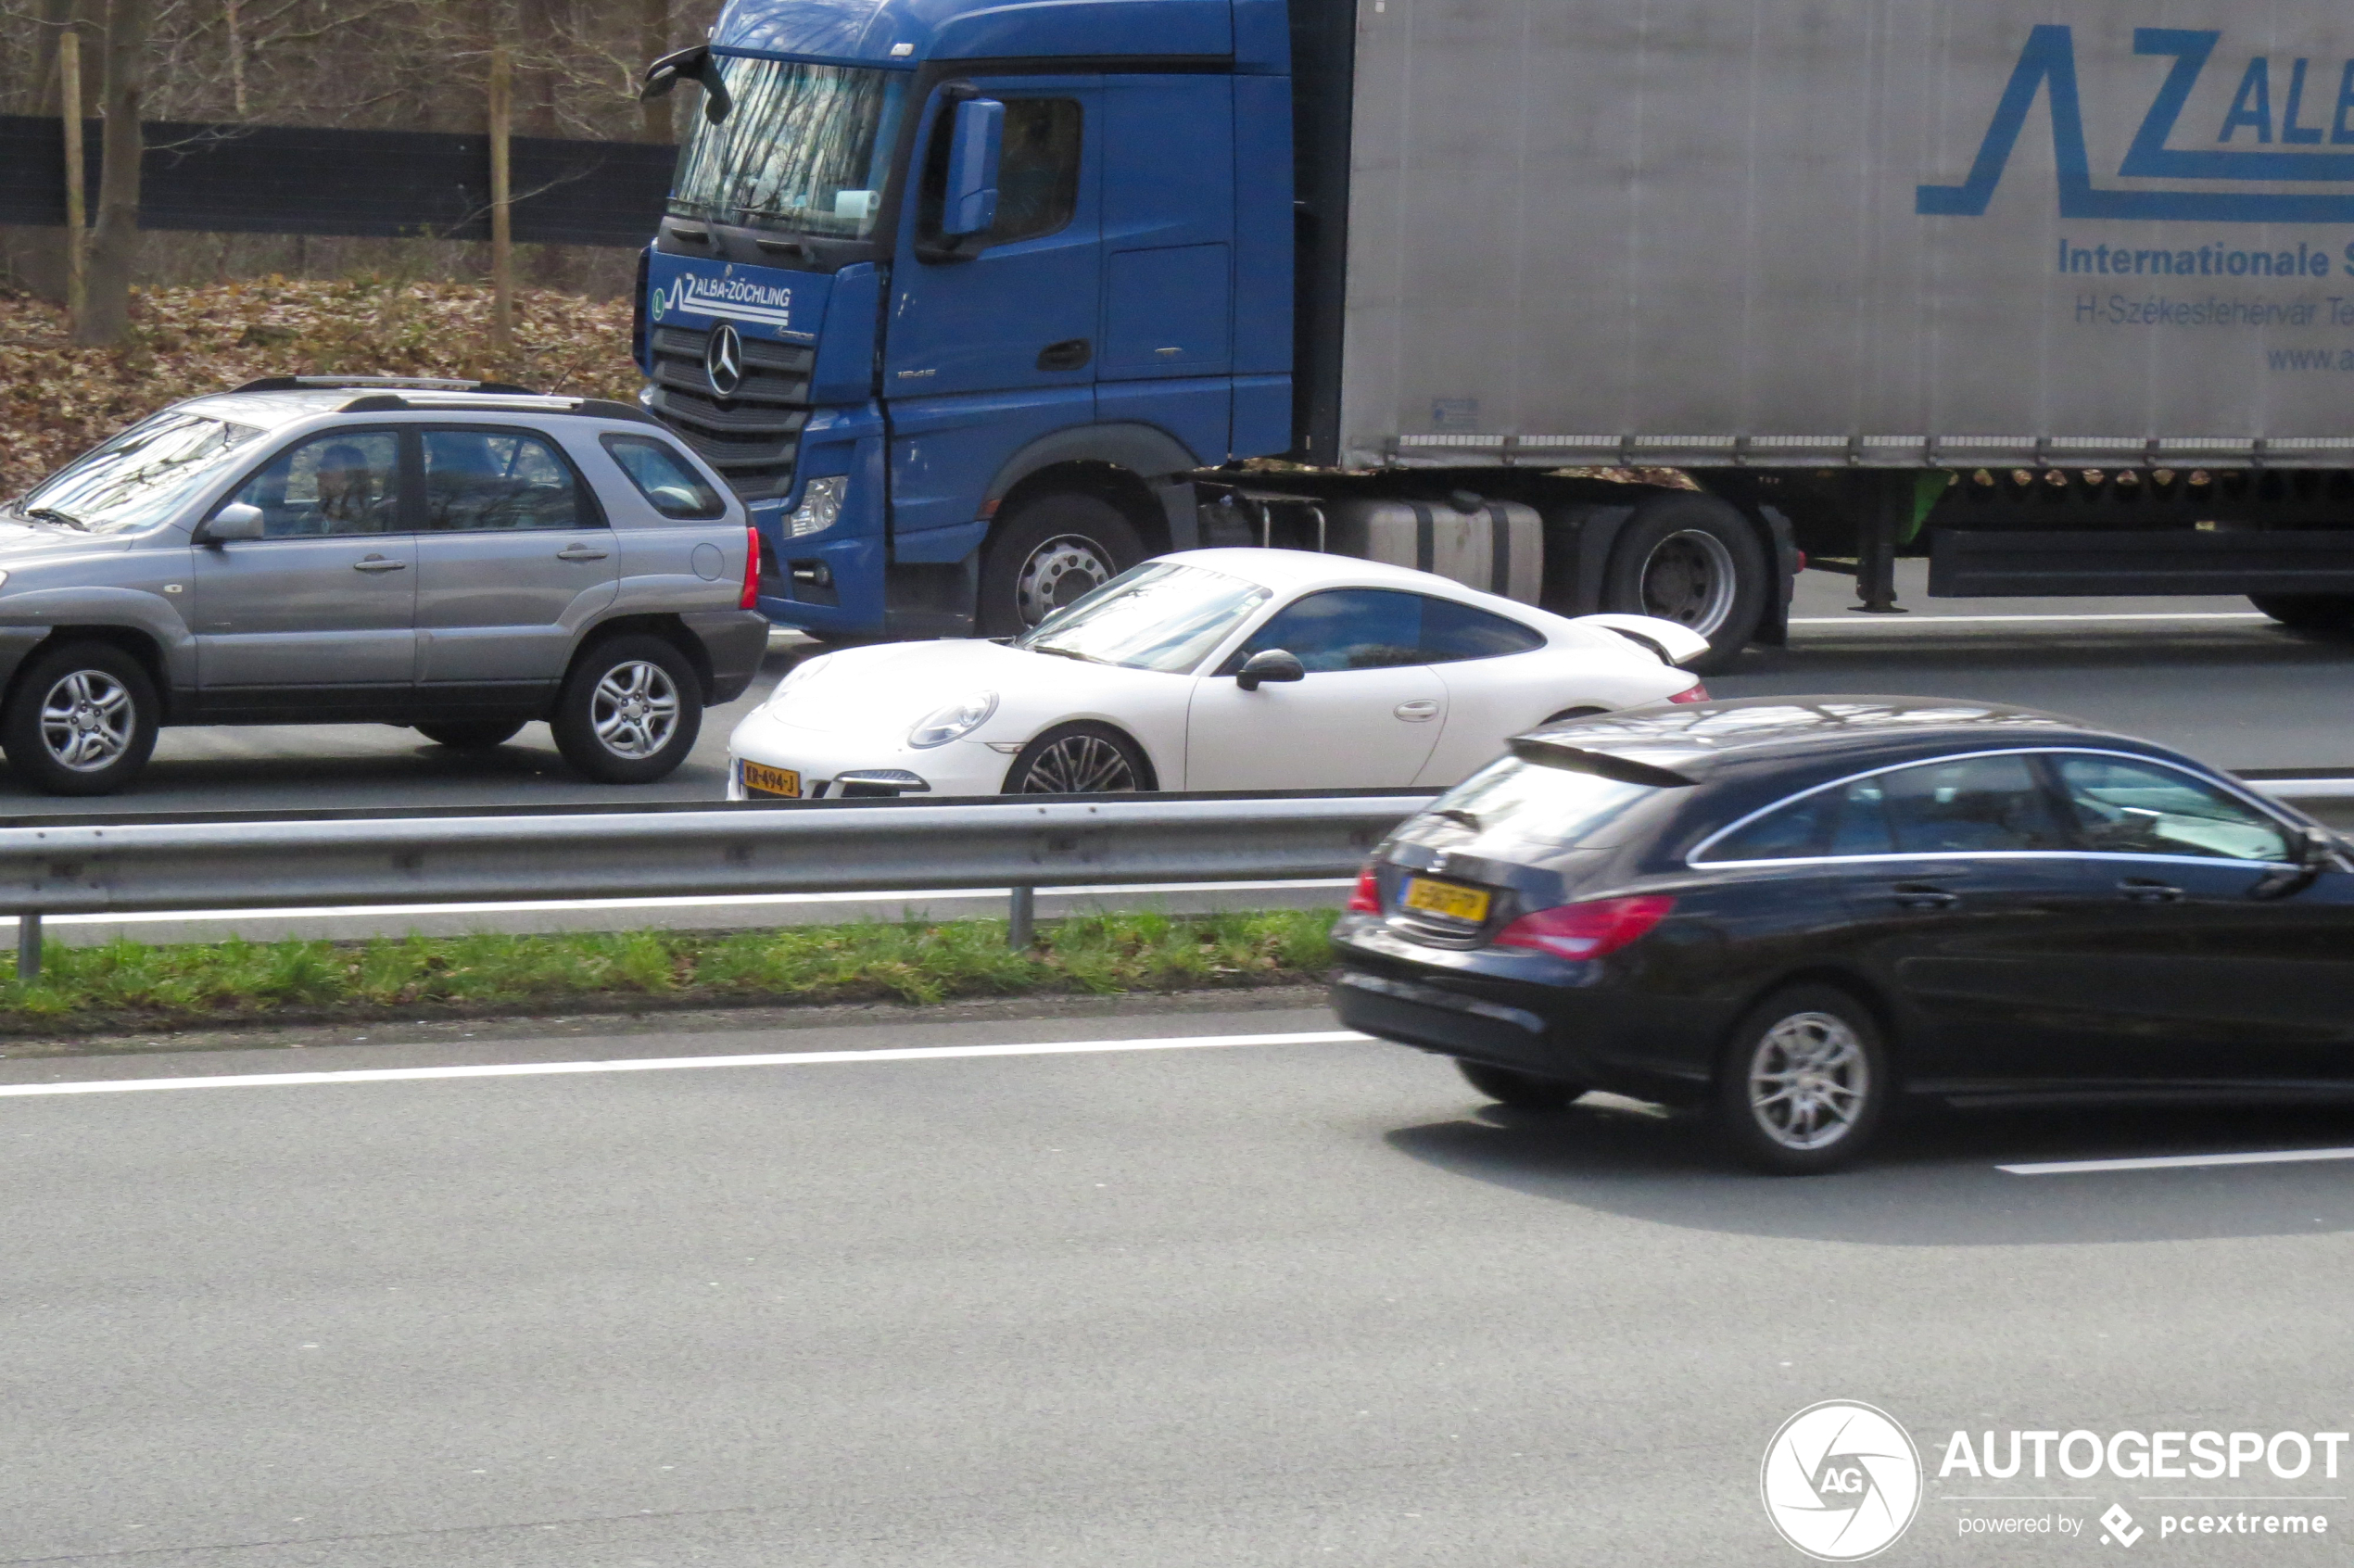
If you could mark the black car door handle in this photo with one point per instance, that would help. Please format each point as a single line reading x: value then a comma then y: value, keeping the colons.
x: 2141, y: 890
x: 1914, y: 896
x: 1071, y: 354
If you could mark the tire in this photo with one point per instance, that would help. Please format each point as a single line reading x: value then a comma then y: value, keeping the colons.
x: 2330, y: 614
x: 633, y: 746
x: 1522, y: 1091
x: 1831, y: 1114
x: 471, y: 734
x: 83, y: 720
x: 1048, y: 552
x: 1693, y: 559
x: 1080, y: 759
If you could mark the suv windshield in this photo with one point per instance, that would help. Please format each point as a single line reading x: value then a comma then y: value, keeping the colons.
x: 804, y: 147
x: 1156, y: 616
x: 141, y: 477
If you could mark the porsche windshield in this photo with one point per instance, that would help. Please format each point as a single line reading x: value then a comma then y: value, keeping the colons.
x: 803, y: 147
x: 1156, y: 616
x: 143, y: 476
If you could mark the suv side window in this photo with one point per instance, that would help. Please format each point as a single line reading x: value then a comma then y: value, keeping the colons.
x: 1965, y: 806
x: 344, y: 482
x: 1453, y: 631
x: 1037, y: 170
x: 482, y: 480
x: 668, y: 481
x: 2146, y: 808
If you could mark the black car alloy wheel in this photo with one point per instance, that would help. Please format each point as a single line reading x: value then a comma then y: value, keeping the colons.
x: 1806, y: 1082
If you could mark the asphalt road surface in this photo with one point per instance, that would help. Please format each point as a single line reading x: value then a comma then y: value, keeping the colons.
x: 1280, y: 1303
x: 2207, y: 674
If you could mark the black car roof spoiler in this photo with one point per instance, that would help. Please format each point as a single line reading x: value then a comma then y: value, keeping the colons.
x: 1602, y: 765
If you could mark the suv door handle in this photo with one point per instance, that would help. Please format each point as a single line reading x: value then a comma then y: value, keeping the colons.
x: 1416, y: 711
x: 1071, y: 354
x: 378, y: 564
x: 2144, y: 890
x: 581, y: 553
x: 1916, y: 895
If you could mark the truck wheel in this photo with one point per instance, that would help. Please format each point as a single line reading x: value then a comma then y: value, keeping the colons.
x: 1047, y: 553
x: 83, y: 720
x: 1693, y: 559
x: 2328, y: 613
x: 1080, y: 759
x: 630, y: 710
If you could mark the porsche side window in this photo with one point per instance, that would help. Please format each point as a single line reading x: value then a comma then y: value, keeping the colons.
x: 1452, y: 632
x: 2142, y: 808
x: 1344, y: 630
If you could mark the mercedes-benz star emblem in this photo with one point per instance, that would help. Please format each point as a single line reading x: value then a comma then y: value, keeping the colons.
x: 723, y: 359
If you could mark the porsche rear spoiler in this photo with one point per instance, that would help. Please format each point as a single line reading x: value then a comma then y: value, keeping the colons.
x: 1671, y: 641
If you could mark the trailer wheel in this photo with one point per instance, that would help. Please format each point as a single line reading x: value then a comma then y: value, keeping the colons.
x: 2330, y: 614
x: 1692, y: 559
x: 1047, y: 554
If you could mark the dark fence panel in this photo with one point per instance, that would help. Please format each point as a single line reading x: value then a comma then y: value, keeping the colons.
x: 305, y: 180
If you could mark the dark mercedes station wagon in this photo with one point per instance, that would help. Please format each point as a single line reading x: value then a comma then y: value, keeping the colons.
x: 1794, y: 910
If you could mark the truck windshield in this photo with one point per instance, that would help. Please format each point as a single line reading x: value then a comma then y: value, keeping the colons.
x: 804, y: 147
x: 141, y: 477
x: 1156, y: 616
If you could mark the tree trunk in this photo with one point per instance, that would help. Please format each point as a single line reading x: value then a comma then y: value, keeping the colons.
x: 653, y: 41
x: 115, y: 242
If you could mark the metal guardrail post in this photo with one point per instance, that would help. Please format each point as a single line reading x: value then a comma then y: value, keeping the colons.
x: 1022, y: 922
x: 28, y: 947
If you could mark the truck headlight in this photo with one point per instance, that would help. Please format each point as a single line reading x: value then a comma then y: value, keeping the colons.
x: 958, y: 719
x: 821, y: 506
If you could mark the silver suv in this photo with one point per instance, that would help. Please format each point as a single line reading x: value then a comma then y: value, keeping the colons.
x: 461, y: 557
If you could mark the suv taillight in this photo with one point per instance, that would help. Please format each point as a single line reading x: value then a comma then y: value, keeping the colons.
x: 751, y: 597
x: 1366, y: 898
x: 1590, y: 930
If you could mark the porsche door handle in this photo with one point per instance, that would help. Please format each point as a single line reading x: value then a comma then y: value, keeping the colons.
x: 1418, y: 710
x: 378, y: 564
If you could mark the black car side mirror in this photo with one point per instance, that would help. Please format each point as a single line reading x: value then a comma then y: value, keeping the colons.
x: 1273, y: 664
x: 2316, y: 851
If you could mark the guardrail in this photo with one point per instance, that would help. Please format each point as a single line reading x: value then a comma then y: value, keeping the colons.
x: 102, y: 865
x: 1020, y: 844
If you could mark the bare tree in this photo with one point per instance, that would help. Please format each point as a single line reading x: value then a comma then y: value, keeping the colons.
x: 653, y: 41
x: 115, y: 242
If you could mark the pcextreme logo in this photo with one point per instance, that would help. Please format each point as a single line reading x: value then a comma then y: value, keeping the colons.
x: 2278, y: 108
x: 1841, y: 1481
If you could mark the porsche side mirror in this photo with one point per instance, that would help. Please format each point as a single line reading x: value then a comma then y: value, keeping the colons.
x: 1273, y: 664
x: 236, y: 521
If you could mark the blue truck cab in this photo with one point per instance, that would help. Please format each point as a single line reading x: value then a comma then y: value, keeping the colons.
x: 953, y: 292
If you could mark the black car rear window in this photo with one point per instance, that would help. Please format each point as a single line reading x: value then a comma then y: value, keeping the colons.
x: 1541, y: 804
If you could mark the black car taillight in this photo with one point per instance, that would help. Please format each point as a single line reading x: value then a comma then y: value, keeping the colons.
x: 1590, y: 930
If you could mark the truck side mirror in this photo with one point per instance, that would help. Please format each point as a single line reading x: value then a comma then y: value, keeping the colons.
x: 973, y: 152
x: 236, y: 521
x: 1271, y: 664
x: 693, y: 64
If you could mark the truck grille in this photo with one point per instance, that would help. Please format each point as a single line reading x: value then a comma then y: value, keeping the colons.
x: 751, y: 438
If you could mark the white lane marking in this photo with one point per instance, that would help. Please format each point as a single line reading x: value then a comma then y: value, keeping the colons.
x: 1858, y: 618
x: 528, y: 906
x: 668, y: 1064
x: 2175, y: 1162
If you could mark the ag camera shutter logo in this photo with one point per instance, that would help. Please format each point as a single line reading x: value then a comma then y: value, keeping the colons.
x: 1841, y: 1481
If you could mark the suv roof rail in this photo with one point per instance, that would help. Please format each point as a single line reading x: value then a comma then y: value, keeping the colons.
x: 419, y: 383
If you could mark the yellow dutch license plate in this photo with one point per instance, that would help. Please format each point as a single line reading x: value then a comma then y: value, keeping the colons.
x: 1451, y: 899
x: 761, y: 779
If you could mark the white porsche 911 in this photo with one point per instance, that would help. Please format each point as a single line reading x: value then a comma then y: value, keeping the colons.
x: 1210, y: 669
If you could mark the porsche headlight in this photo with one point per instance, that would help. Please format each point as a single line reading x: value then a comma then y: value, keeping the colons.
x: 959, y: 718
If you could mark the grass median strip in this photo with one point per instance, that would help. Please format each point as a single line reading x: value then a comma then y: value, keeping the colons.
x: 127, y: 983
